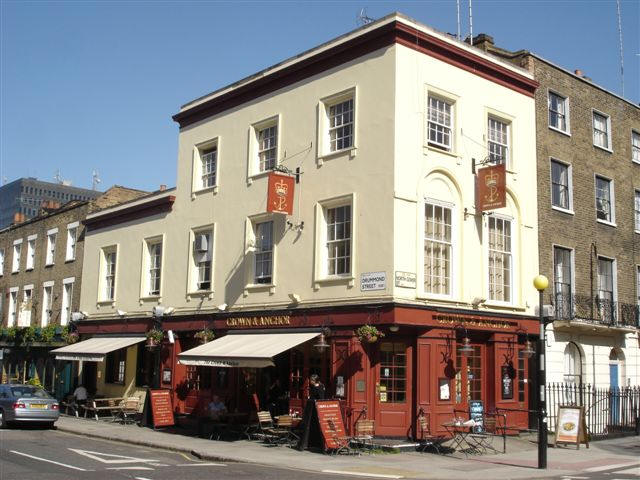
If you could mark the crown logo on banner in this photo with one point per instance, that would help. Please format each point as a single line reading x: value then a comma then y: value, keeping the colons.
x: 281, y: 188
x: 491, y: 180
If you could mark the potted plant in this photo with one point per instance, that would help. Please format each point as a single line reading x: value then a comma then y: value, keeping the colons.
x: 28, y: 334
x: 70, y: 337
x: 12, y: 333
x: 205, y: 335
x: 369, y: 334
x: 154, y: 337
x: 47, y: 333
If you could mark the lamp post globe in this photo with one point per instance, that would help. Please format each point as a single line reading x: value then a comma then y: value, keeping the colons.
x: 541, y: 283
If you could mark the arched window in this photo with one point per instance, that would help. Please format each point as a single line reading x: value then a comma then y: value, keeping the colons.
x: 572, y: 364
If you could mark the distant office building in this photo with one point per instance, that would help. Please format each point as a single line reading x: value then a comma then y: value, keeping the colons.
x: 26, y: 195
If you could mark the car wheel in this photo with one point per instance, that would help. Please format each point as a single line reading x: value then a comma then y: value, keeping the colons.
x: 51, y: 425
x: 3, y: 421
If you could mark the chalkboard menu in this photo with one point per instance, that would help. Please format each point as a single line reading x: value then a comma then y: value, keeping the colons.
x: 161, y: 408
x: 476, y: 413
x: 331, y: 424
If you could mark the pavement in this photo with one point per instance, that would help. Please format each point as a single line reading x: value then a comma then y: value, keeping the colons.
x: 519, y: 462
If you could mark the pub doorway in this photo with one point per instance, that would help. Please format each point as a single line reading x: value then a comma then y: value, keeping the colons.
x: 469, y: 379
x: 393, y: 379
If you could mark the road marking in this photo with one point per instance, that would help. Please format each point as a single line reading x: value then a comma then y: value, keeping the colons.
x: 610, y: 467
x: 50, y: 461
x: 201, y: 465
x: 141, y: 478
x: 632, y: 471
x: 128, y: 468
x: 112, y: 459
x: 362, y: 474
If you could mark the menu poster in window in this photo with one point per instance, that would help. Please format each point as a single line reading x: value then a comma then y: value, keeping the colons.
x: 161, y: 408
x: 331, y: 424
x: 507, y: 383
x: 444, y: 389
x: 571, y: 426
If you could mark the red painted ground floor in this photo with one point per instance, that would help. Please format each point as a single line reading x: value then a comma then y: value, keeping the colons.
x: 419, y: 367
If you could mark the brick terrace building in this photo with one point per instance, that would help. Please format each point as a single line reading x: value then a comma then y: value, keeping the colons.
x: 588, y: 149
x: 40, y: 271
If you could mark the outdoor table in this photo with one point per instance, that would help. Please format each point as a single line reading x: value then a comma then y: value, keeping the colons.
x: 460, y: 432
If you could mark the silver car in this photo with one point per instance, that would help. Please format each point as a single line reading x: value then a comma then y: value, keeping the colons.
x: 26, y: 403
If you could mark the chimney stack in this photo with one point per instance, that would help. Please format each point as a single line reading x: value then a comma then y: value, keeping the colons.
x: 578, y: 72
x: 163, y: 187
x: 18, y: 217
x: 482, y: 41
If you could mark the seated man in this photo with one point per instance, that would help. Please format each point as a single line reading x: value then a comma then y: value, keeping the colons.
x: 217, y: 409
x: 80, y: 395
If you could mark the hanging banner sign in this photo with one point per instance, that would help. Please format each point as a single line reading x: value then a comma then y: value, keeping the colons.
x: 280, y: 193
x: 491, y: 187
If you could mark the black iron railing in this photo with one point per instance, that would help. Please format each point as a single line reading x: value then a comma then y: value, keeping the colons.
x: 568, y: 306
x: 608, y: 411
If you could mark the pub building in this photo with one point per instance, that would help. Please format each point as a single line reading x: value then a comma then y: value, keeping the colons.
x: 357, y: 201
x: 429, y: 362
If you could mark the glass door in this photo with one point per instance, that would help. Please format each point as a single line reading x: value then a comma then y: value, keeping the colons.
x: 393, y: 408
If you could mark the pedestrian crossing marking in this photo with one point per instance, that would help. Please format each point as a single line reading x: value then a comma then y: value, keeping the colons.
x: 110, y: 458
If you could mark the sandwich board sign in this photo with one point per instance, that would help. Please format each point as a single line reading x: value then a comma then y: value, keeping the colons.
x: 571, y: 426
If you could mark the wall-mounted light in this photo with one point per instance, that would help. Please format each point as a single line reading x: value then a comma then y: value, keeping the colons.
x: 321, y: 344
x: 295, y: 298
x: 394, y: 328
x: 527, y: 351
x: 222, y: 307
x: 121, y: 313
x: 477, y: 301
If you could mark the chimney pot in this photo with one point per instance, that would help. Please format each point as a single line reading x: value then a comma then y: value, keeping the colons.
x: 578, y: 72
x: 163, y: 187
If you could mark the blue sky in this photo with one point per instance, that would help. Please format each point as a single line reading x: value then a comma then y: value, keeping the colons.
x: 93, y: 85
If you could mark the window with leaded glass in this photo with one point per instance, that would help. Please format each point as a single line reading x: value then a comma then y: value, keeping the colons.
x: 267, y: 148
x: 604, y: 207
x: 498, y: 146
x: 601, y: 134
x: 341, y: 125
x: 560, y: 185
x: 437, y: 249
x: 338, y: 223
x: 562, y: 281
x: 500, y: 259
x: 209, y: 167
x: 264, y: 253
x: 440, y: 123
x: 558, y: 112
x: 393, y: 372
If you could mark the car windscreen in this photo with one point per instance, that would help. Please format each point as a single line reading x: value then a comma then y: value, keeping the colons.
x: 29, y: 392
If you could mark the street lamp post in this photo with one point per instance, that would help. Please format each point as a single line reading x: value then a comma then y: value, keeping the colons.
x: 541, y: 283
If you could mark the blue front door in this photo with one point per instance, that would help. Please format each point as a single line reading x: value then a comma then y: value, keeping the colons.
x: 615, y: 394
x: 63, y: 380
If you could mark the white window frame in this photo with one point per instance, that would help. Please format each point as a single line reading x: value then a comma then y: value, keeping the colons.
x: 26, y: 308
x: 452, y: 245
x: 52, y: 239
x: 251, y: 248
x: 608, y: 147
x: 638, y: 286
x: 2, y: 256
x: 12, y: 318
x: 17, y: 253
x: 47, y: 301
x: 67, y: 300
x: 324, y: 124
x: 194, y: 270
x: 31, y: 252
x: 103, y: 283
x: 636, y: 210
x: 507, y: 123
x: 614, y: 274
x: 264, y: 251
x: 512, y: 257
x: 321, y: 272
x: 572, y: 266
x: 255, y: 149
x: 148, y: 246
x: 199, y: 150
x: 612, y: 200
x: 635, y: 146
x: 569, y: 167
x: 567, y: 114
x: 72, y: 241
x: 451, y: 102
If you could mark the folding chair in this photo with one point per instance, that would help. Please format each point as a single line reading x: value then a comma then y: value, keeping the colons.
x: 427, y: 440
x: 364, y: 433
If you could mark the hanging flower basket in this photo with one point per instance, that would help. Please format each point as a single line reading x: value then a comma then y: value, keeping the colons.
x: 154, y: 338
x: 70, y: 337
x: 368, y: 334
x: 205, y: 335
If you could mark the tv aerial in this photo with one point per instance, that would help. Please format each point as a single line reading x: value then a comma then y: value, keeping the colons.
x: 362, y: 18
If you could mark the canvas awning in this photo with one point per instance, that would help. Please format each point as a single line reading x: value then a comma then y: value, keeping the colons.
x: 244, y: 350
x: 94, y: 349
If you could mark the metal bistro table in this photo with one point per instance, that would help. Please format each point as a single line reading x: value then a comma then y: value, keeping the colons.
x: 460, y: 432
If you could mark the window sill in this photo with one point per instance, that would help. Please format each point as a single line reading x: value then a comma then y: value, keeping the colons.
x: 438, y: 298
x: 202, y: 191
x: 637, y: 231
x: 562, y: 210
x: 150, y: 298
x: 259, y: 175
x: 503, y: 306
x: 352, y: 151
x: 260, y: 287
x: 604, y: 222
x: 336, y: 279
x: 637, y: 162
x: 49, y: 265
x: 28, y: 269
x: 13, y: 272
x: 606, y: 149
x: 68, y: 260
x: 430, y: 148
x: 568, y: 134
x: 201, y: 293
x: 105, y: 303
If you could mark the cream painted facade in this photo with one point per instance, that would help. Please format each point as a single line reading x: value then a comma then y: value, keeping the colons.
x: 385, y: 176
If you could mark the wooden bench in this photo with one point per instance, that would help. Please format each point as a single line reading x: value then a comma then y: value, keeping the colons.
x: 98, y: 405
